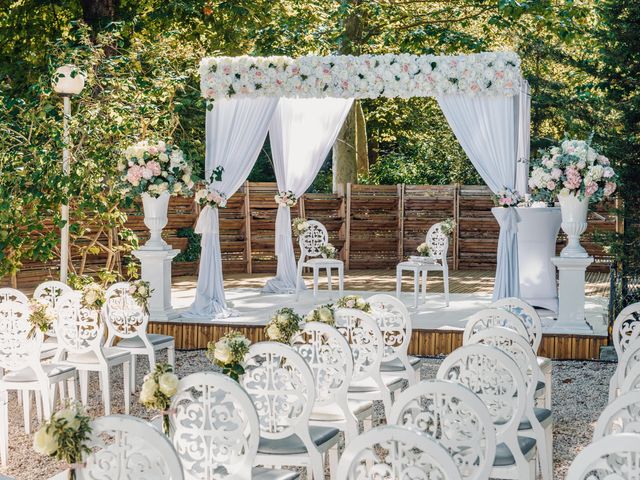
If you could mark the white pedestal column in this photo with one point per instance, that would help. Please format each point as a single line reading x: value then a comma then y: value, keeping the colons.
x: 156, y: 269
x: 571, y: 295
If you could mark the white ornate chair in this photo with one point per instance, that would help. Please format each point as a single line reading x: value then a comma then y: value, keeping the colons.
x: 539, y: 421
x: 80, y: 334
x: 395, y: 324
x: 627, y: 363
x: 438, y: 243
x: 455, y: 417
x: 20, y: 357
x: 366, y: 342
x: 532, y: 321
x: 397, y: 453
x: 620, y: 416
x: 626, y: 328
x: 497, y: 380
x: 282, y: 388
x: 128, y: 447
x: 329, y: 356
x: 127, y: 321
x: 494, y: 317
x: 631, y: 381
x: 215, y: 430
x: 612, y: 457
x: 310, y: 256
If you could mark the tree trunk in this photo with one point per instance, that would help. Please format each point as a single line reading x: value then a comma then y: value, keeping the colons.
x: 362, y: 149
x: 344, y: 154
x: 98, y: 13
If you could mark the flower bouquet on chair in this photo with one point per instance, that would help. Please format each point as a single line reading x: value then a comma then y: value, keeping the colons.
x: 322, y: 314
x: 228, y: 353
x: 299, y: 226
x: 41, y: 316
x: 328, y: 251
x: 159, y: 386
x: 424, y: 254
x: 354, y: 301
x: 283, y: 325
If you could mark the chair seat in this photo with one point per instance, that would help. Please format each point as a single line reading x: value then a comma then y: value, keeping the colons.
x: 261, y: 473
x: 368, y: 385
x: 396, y: 365
x: 333, y: 413
x: 292, y: 444
x: 90, y: 357
x: 48, y: 347
x: 136, y: 342
x: 51, y: 341
x: 504, y: 458
x: 28, y: 375
x: 409, y: 265
x: 326, y: 262
x: 541, y: 414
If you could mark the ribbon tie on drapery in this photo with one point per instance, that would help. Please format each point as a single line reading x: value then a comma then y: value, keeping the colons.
x: 208, y: 222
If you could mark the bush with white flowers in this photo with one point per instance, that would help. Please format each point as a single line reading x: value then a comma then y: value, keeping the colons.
x: 283, y: 325
x: 354, y: 301
x: 159, y: 386
x: 228, y: 353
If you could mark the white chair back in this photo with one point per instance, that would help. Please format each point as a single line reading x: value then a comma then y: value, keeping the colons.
x: 626, y: 363
x: 494, y: 317
x: 314, y: 237
x: 455, y: 417
x: 78, y: 329
x: 614, y: 457
x: 497, y: 380
x: 394, y: 323
x: 49, y: 292
x: 282, y: 388
x: 365, y: 339
x: 329, y: 356
x: 631, y: 380
x: 128, y: 447
x: 626, y: 328
x: 438, y: 242
x: 395, y: 452
x: 211, y: 409
x: 17, y: 349
x: 527, y: 314
x: 124, y: 317
x: 620, y: 416
x: 12, y: 295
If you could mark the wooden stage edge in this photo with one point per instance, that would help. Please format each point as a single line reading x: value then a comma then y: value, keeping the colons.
x: 195, y: 336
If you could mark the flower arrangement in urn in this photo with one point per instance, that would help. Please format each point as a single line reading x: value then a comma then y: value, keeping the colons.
x: 159, y: 386
x: 283, y: 325
x: 228, y: 353
x: 286, y: 199
x: 354, y: 301
x: 65, y: 437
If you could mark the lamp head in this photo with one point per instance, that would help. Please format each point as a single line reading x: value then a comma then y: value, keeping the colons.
x: 68, y: 80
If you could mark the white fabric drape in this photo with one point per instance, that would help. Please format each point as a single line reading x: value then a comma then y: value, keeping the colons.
x: 236, y: 130
x: 485, y: 126
x: 524, y: 138
x: 301, y: 133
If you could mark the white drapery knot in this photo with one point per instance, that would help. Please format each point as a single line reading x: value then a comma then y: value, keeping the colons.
x: 208, y: 222
x: 509, y: 221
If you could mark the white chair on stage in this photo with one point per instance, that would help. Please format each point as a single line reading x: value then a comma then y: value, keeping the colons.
x: 310, y: 242
x: 497, y: 380
x: 128, y: 322
x: 80, y: 334
x: 282, y: 388
x: 455, y: 417
x: 366, y: 342
x: 620, y: 416
x: 397, y: 453
x: 215, y: 430
x: 627, y: 363
x: 612, y: 457
x: 395, y: 324
x: 128, y: 447
x: 539, y: 421
x: 438, y: 243
x: 20, y: 358
x: 329, y: 356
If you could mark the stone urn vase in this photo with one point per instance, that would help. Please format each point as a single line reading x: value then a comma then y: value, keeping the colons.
x: 155, y: 218
x: 574, y: 223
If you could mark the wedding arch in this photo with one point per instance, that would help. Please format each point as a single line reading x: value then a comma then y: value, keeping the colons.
x: 302, y: 104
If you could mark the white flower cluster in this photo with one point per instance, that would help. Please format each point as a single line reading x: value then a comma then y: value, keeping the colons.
x: 424, y: 250
x: 365, y: 76
x: 223, y: 350
x: 211, y: 197
x: 166, y: 383
x: 286, y: 199
x: 328, y: 251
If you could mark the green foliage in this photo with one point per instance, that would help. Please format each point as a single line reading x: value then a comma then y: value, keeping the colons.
x: 192, y: 252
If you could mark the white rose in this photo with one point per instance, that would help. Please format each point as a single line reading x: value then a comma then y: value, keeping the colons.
x: 222, y: 352
x: 273, y: 332
x: 148, y: 391
x: 44, y: 443
x: 142, y: 290
x: 325, y: 315
x: 70, y: 418
x: 168, y: 384
x: 90, y: 297
x: 163, y: 157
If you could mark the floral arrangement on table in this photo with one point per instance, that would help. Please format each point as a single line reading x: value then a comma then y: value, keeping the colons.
x: 506, y: 198
x: 93, y: 296
x: 353, y: 301
x: 157, y: 389
x: 283, y: 325
x: 322, y: 314
x: 141, y: 292
x: 154, y: 168
x: 65, y: 437
x: 299, y: 226
x: 41, y: 316
x: 365, y: 76
x: 228, y: 353
x: 286, y: 199
x: 448, y: 226
x: 423, y: 250
x: 328, y: 251
x: 574, y: 167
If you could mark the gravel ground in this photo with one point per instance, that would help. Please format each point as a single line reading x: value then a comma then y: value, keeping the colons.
x: 579, y: 395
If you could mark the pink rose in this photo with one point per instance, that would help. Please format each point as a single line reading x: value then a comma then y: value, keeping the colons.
x: 551, y: 185
x: 500, y: 74
x: 556, y: 173
x: 603, y: 160
x: 226, y: 70
x: 146, y: 173
x: 153, y: 150
x: 609, y: 188
x: 475, y: 87
x: 591, y: 188
x: 134, y: 174
x: 154, y: 167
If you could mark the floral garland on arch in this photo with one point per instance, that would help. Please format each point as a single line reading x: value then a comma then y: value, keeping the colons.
x: 366, y: 76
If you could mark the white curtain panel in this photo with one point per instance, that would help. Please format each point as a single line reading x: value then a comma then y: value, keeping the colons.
x: 524, y: 138
x: 301, y: 133
x: 236, y: 131
x: 485, y: 126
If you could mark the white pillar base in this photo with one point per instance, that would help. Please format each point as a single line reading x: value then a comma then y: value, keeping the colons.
x: 156, y: 269
x: 571, y: 318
